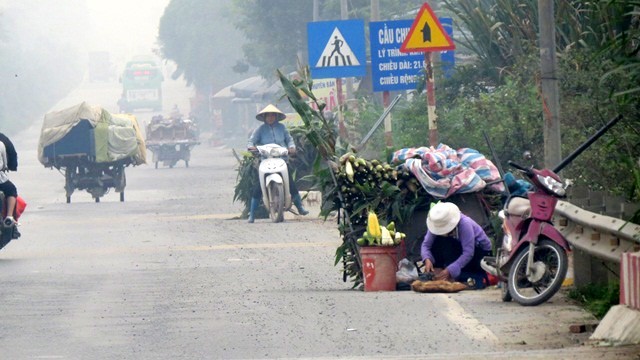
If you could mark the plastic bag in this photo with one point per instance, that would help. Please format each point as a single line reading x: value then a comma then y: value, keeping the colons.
x: 407, y: 271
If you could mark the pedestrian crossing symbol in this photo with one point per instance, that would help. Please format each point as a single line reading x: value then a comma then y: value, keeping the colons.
x: 337, y: 52
x: 336, y: 48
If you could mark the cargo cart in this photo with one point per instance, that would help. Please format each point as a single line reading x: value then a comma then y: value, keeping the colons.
x: 171, y: 140
x: 91, y: 148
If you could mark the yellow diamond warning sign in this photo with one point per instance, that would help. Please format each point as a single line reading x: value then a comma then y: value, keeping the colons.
x: 426, y: 34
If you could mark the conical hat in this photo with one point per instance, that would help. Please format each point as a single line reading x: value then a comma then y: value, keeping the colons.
x: 270, y: 109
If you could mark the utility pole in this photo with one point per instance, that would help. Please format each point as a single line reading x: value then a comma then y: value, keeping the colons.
x: 342, y: 130
x: 431, y: 89
x: 549, y: 84
x: 316, y: 10
x: 375, y: 10
x: 388, y: 134
x: 344, y: 15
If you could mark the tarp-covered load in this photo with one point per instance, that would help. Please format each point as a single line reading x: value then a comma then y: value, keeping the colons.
x: 93, y: 132
x: 443, y: 171
x: 171, y: 130
x: 171, y: 139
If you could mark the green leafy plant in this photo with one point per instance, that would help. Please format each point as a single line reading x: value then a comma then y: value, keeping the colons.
x: 321, y: 134
x: 246, y: 180
x: 351, y: 185
x: 597, y: 299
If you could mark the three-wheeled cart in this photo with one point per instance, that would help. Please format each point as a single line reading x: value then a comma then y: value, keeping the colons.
x: 171, y: 140
x: 91, y: 147
x: 170, y: 152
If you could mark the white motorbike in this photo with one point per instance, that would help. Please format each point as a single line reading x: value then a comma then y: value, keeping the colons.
x: 274, y: 180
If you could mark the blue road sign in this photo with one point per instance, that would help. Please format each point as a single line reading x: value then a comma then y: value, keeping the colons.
x: 336, y: 48
x: 447, y: 57
x: 391, y: 69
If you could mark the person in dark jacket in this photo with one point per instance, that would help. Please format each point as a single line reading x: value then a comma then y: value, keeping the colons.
x: 6, y: 186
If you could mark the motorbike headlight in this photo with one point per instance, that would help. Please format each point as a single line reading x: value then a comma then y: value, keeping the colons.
x: 552, y: 185
x: 277, y: 152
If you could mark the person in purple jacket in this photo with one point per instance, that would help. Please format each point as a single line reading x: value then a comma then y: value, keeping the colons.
x: 454, y: 243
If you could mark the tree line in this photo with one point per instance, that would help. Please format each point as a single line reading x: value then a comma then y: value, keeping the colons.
x: 496, y: 90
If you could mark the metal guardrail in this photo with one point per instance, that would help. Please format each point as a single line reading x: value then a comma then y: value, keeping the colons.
x: 598, y: 235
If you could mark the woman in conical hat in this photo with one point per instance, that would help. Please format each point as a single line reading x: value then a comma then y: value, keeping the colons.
x: 273, y: 132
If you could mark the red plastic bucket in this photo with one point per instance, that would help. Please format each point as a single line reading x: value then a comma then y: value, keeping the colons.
x: 379, y: 267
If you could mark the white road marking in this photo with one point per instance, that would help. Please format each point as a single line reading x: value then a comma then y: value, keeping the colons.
x: 47, y: 253
x: 469, y: 325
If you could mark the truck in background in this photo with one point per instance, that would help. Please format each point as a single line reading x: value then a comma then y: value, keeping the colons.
x: 141, y: 84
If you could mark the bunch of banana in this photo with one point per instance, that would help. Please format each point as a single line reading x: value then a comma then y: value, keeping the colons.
x: 354, y: 170
x: 359, y: 179
x: 359, y: 170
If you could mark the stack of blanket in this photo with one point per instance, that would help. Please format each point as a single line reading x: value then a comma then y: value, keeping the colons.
x: 443, y: 171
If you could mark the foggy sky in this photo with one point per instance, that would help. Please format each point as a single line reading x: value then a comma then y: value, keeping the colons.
x: 122, y: 27
x: 128, y: 25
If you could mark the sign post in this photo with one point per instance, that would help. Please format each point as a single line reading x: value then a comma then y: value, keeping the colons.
x: 341, y: 54
x: 427, y: 35
x: 391, y: 69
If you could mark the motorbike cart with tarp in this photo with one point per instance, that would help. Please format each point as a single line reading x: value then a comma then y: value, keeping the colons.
x: 91, y: 147
x: 171, y: 140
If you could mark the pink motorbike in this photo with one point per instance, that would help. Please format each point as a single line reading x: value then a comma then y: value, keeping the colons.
x: 531, y: 263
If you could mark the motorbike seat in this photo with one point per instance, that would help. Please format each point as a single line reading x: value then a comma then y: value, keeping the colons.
x: 519, y: 206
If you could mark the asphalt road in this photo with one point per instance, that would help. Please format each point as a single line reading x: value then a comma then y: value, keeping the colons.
x: 171, y: 273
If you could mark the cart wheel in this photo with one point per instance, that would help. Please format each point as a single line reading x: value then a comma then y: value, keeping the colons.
x: 68, y: 199
x: 121, y: 196
x: 97, y: 199
x: 156, y: 164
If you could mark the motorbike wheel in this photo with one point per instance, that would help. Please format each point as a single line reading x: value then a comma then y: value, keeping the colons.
x: 550, y: 268
x: 276, y: 202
